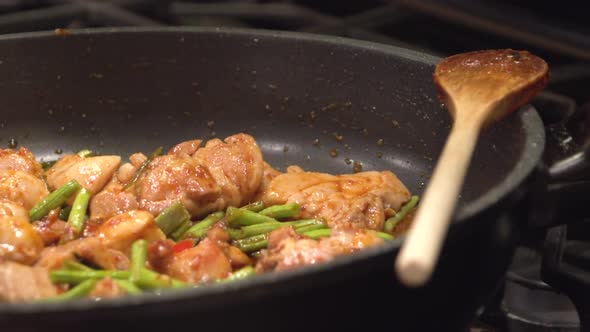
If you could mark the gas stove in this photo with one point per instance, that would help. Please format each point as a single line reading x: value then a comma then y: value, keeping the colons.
x: 548, y: 273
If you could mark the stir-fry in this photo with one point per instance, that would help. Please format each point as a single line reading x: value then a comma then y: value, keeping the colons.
x: 91, y: 226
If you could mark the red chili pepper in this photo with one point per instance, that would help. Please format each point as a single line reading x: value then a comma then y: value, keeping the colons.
x: 183, y: 245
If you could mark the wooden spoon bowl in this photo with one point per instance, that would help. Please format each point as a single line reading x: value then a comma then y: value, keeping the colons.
x: 478, y: 89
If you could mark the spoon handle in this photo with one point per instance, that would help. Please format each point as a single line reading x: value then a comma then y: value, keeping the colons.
x: 420, y: 250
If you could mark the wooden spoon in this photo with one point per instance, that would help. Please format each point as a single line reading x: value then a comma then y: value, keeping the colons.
x: 478, y: 89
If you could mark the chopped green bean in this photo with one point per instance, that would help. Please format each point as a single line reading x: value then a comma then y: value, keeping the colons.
x: 75, y: 277
x: 242, y: 273
x: 268, y: 227
x: 200, y: 229
x: 85, y: 153
x: 54, y: 200
x: 64, y: 213
x: 391, y: 222
x: 138, y: 259
x: 385, y: 236
x: 77, y: 216
x: 318, y: 233
x: 179, y: 232
x: 128, y: 286
x: 248, y: 247
x: 142, y: 168
x: 308, y: 228
x: 153, y: 280
x: 75, y: 266
x: 254, y: 206
x: 172, y: 217
x: 240, y: 217
x: 282, y: 211
x: 79, y: 291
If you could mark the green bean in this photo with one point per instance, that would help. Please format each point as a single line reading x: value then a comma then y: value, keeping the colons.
x: 153, y: 280
x: 254, y: 206
x: 138, y: 259
x: 282, y: 211
x: 143, y: 166
x: 81, y: 290
x: 200, y: 229
x: 179, y: 232
x: 240, y: 217
x: 308, y: 228
x: 128, y: 286
x: 77, y: 216
x: 385, y: 236
x: 75, y: 266
x: 318, y: 233
x: 172, y: 217
x: 268, y: 227
x: 399, y: 216
x: 242, y: 273
x: 54, y: 200
x: 75, y: 277
x: 64, y: 213
x: 85, y: 153
x: 248, y: 247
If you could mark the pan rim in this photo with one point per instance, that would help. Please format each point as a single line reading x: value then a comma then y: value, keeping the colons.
x: 534, y: 142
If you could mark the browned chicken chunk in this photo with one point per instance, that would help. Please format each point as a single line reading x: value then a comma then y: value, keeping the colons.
x: 93, y: 173
x: 22, y: 188
x: 359, y: 199
x: 287, y: 249
x: 24, y: 283
x: 204, y: 263
x: 19, y: 241
x: 119, y: 232
x: 90, y: 249
x: 220, y: 174
x: 21, y: 160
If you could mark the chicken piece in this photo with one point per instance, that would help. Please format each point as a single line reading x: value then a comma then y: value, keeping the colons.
x: 236, y: 165
x: 204, y: 263
x: 51, y: 229
x: 268, y: 174
x: 106, y: 288
x: 287, y: 250
x: 186, y: 147
x: 170, y: 178
x: 12, y: 209
x: 112, y: 201
x: 93, y: 173
x: 90, y: 249
x: 22, y: 188
x: 21, y: 160
x: 359, y: 199
x: 20, y: 283
x: 19, y: 241
x: 119, y: 232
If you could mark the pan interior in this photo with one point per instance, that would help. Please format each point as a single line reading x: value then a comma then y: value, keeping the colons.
x: 326, y: 104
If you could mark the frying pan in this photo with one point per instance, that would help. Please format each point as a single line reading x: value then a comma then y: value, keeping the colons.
x: 125, y: 90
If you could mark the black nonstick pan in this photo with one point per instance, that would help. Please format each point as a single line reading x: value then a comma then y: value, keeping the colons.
x: 323, y: 103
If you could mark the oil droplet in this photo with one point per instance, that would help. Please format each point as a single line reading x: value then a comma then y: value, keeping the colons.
x: 338, y: 137
x: 50, y: 111
x: 61, y: 129
x: 210, y: 124
x: 357, y: 167
x: 395, y: 123
x: 12, y: 143
x: 334, y: 153
x: 380, y: 142
x: 347, y: 161
x: 365, y: 132
x: 58, y: 151
x: 308, y: 157
x: 316, y: 142
x: 379, y: 154
x: 212, y: 134
x: 313, y: 115
x: 83, y: 115
x: 285, y: 148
